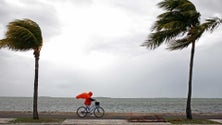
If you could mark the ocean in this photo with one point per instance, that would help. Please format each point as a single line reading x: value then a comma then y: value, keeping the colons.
x: 145, y: 105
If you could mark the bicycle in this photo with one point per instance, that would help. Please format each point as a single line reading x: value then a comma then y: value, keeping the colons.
x: 95, y: 109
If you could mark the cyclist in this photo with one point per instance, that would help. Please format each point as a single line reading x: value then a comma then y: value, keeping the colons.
x: 88, y: 100
x: 96, y: 109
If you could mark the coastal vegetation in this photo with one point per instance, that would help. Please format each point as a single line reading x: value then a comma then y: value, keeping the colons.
x: 178, y: 27
x: 193, y: 121
x: 40, y: 120
x: 24, y: 35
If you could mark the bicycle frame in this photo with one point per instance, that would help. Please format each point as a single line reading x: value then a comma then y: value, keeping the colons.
x: 90, y: 108
x: 95, y: 109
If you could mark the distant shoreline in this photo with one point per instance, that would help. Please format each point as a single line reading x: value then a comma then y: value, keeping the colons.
x: 108, y: 115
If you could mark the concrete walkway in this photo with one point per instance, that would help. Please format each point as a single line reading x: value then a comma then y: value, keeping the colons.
x: 108, y: 122
x: 217, y: 120
x: 6, y: 120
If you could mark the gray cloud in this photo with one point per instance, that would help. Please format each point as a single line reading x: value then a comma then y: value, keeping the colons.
x: 16, y: 74
x: 208, y: 8
x: 76, y: 2
x: 140, y: 7
x: 137, y: 72
x: 43, y: 14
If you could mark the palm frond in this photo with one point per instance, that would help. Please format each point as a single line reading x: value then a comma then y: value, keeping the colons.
x: 193, y: 35
x: 176, y: 5
x: 156, y: 39
x: 3, y: 43
x: 22, y: 35
x: 185, y: 5
x: 212, y: 23
x: 196, y: 32
x: 169, y: 20
x: 30, y: 27
x: 180, y: 14
x: 179, y: 44
x: 7, y: 43
x: 179, y: 25
x: 168, y: 5
x: 167, y: 25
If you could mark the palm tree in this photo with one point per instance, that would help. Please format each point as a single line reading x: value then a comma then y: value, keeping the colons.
x: 178, y: 27
x: 24, y: 35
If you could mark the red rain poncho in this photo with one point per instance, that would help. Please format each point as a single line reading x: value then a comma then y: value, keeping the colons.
x: 86, y: 96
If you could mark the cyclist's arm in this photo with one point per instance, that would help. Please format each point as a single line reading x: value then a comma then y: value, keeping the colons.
x: 91, y: 99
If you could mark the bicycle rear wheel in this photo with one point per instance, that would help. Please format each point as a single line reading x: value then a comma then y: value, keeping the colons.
x: 81, y: 112
x: 99, y: 112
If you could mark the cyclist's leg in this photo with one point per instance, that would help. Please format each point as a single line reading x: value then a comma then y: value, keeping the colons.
x: 88, y: 108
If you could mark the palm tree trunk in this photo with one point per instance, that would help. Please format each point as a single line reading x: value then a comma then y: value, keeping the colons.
x: 188, y: 108
x: 35, y: 96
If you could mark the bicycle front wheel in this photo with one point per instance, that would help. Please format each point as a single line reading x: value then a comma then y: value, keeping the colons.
x: 99, y: 112
x: 81, y: 112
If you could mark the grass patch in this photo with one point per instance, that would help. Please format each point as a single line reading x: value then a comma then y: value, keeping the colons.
x: 40, y: 120
x: 193, y: 121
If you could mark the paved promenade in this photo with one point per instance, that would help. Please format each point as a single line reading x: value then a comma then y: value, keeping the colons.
x: 108, y: 122
x: 108, y: 119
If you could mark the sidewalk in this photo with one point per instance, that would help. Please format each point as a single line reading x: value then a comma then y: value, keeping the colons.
x: 6, y: 121
x: 108, y: 122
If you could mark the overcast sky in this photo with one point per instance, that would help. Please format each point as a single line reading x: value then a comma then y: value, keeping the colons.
x: 94, y: 45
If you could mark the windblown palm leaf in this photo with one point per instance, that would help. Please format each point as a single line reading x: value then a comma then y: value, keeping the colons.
x: 22, y: 35
x: 195, y: 33
x: 168, y: 20
x: 212, y: 23
x: 156, y: 39
x: 178, y: 5
x: 179, y: 17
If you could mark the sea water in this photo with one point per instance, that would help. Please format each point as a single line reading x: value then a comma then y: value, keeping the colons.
x: 146, y: 105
